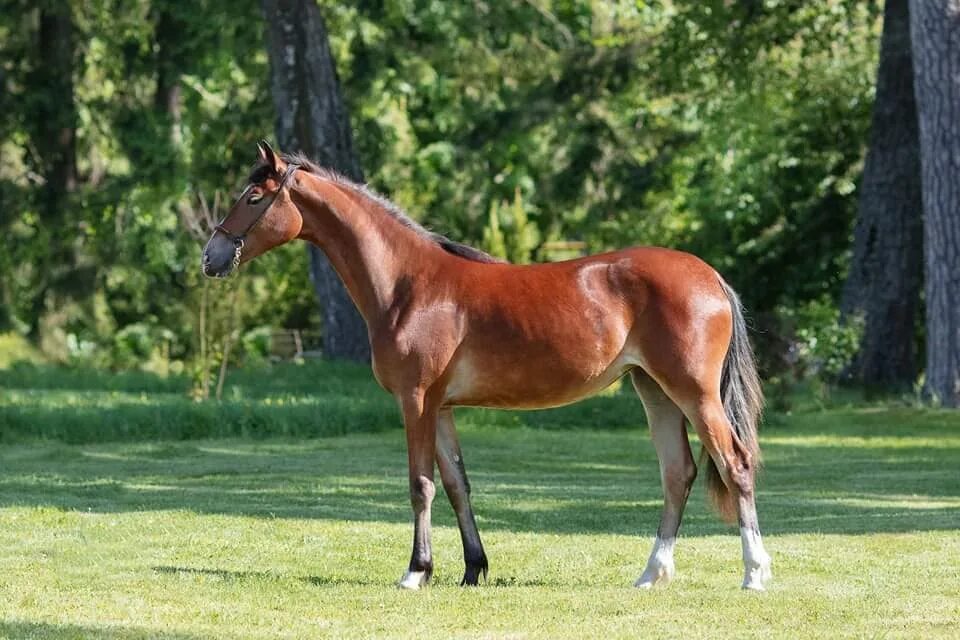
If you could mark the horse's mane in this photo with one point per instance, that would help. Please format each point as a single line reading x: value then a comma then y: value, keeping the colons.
x: 445, y: 243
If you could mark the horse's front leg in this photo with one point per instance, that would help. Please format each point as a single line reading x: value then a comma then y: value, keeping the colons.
x: 455, y: 483
x: 420, y: 422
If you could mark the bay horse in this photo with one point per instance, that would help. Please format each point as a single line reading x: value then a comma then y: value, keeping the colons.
x: 452, y: 326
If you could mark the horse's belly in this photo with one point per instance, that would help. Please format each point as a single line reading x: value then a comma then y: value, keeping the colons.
x: 531, y: 383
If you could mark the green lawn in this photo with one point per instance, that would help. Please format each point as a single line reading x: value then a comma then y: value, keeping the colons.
x: 269, y: 535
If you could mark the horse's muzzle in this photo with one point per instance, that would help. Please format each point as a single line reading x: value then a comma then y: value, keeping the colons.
x: 219, y: 256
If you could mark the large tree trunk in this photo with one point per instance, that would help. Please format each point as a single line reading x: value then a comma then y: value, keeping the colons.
x: 55, y: 122
x: 311, y: 117
x: 170, y: 53
x: 886, y: 270
x: 935, y: 29
x: 52, y: 128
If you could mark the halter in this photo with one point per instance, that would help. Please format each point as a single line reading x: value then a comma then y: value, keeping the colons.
x: 231, y: 224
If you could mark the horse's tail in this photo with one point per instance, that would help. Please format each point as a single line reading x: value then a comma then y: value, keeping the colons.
x: 743, y: 403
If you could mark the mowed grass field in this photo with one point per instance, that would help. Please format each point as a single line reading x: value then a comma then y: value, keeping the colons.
x: 128, y: 511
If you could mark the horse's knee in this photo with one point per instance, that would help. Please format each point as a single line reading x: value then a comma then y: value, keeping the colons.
x: 422, y: 491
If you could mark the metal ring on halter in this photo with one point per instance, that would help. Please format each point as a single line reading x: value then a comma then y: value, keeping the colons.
x: 237, y: 251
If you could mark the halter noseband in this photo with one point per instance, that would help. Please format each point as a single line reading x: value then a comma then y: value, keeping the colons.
x: 232, y: 224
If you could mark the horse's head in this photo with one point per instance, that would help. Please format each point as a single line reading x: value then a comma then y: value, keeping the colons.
x: 263, y: 217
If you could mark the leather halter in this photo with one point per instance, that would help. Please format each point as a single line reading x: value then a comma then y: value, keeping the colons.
x: 236, y: 227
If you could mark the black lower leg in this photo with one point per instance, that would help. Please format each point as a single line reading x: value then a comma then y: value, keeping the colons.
x: 474, y: 557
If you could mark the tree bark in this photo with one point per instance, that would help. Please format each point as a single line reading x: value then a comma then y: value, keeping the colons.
x: 935, y: 29
x: 170, y: 63
x: 52, y: 129
x: 311, y: 117
x: 883, y: 286
x: 55, y: 122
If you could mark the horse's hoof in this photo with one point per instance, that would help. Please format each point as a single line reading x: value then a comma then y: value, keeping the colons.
x: 413, y: 580
x: 471, y: 576
x: 657, y: 572
x: 756, y: 577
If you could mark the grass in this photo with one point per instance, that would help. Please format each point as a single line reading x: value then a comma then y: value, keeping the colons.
x: 291, y: 400
x: 143, y: 530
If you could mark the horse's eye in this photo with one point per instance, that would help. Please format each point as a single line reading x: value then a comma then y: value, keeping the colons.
x: 255, y: 198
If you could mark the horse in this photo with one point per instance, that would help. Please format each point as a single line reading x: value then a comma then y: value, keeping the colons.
x: 451, y: 326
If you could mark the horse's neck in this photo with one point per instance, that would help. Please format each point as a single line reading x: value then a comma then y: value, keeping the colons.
x: 369, y: 249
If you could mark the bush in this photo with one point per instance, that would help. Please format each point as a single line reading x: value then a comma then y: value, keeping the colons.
x: 256, y: 345
x: 826, y: 345
x: 807, y: 343
x: 15, y: 348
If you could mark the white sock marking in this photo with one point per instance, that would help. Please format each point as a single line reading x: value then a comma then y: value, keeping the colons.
x: 413, y: 580
x: 660, y: 567
x: 756, y: 561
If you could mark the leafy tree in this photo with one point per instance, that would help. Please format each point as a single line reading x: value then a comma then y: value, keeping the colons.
x: 734, y: 130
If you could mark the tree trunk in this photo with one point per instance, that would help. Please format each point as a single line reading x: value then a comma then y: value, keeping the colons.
x: 52, y: 128
x: 883, y: 286
x: 169, y: 28
x: 55, y: 122
x: 935, y: 28
x: 312, y: 118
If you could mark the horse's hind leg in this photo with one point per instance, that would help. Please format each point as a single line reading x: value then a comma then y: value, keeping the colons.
x: 737, y: 472
x: 455, y: 483
x: 677, y: 473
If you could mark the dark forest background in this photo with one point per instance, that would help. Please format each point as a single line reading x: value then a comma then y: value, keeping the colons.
x: 790, y: 144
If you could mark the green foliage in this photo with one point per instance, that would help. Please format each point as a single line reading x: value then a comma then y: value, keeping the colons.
x: 15, y: 348
x: 134, y: 343
x: 517, y: 238
x: 256, y: 344
x: 770, y: 200
x: 808, y: 345
x: 826, y: 343
x: 494, y: 240
x: 733, y: 130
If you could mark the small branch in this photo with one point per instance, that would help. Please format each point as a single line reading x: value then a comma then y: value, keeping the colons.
x: 228, y: 341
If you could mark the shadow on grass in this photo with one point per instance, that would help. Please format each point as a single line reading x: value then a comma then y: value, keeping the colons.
x: 41, y: 630
x: 843, y: 471
x: 524, y: 480
x: 239, y: 576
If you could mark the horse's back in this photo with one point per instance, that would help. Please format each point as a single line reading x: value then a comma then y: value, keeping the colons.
x: 627, y: 279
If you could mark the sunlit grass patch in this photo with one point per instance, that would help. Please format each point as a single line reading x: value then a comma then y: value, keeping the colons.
x: 121, y: 517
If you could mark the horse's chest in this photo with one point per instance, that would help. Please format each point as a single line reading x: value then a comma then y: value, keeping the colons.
x: 417, y: 352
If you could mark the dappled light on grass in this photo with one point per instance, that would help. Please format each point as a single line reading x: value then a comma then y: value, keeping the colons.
x: 146, y: 529
x: 525, y: 479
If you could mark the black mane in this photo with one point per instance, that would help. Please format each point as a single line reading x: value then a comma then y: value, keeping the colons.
x: 445, y: 243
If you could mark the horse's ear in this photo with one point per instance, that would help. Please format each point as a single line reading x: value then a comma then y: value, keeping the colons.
x: 266, y: 155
